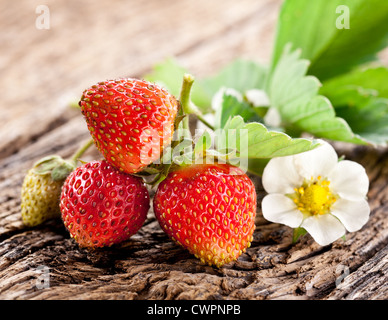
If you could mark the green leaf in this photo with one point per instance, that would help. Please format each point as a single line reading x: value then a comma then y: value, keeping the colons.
x: 288, y: 82
x: 256, y: 166
x: 270, y: 144
x: 228, y: 137
x: 203, y: 143
x: 230, y: 107
x: 373, y: 126
x: 365, y: 112
x: 295, y: 97
x: 312, y: 27
x: 361, y: 98
x: 372, y: 77
x: 256, y: 144
x: 241, y: 75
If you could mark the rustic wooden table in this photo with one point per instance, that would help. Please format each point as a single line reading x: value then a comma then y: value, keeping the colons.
x: 88, y: 41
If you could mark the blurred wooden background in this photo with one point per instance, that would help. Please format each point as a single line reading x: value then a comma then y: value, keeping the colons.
x: 42, y: 70
x: 88, y: 41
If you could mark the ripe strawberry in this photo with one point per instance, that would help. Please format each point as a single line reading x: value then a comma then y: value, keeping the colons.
x: 130, y: 120
x: 41, y: 190
x: 102, y: 206
x: 209, y: 210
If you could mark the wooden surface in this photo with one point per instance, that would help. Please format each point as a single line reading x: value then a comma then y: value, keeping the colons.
x: 88, y: 41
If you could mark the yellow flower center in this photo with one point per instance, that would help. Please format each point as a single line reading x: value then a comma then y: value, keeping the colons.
x: 314, y: 197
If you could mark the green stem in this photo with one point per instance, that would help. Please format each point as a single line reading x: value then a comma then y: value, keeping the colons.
x: 202, y: 119
x: 184, y: 99
x: 188, y: 107
x: 81, y: 150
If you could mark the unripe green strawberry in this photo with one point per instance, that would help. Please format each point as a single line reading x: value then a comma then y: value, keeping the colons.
x: 41, y: 190
x: 130, y: 120
x: 209, y: 210
x: 102, y: 206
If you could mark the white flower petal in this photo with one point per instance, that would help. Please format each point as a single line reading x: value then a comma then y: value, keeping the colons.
x: 317, y: 162
x: 353, y: 214
x: 258, y: 98
x: 280, y: 176
x: 324, y: 228
x: 349, y: 180
x: 281, y: 209
x: 273, y: 118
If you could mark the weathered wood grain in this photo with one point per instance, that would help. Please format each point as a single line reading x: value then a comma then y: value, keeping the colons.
x: 150, y: 266
x: 42, y: 70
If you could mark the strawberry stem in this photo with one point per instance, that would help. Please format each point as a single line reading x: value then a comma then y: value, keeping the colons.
x: 185, y: 101
x: 188, y: 106
x: 81, y: 150
x: 202, y: 119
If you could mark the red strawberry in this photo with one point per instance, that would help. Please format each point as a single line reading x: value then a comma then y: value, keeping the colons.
x: 130, y: 121
x: 209, y: 210
x: 102, y: 206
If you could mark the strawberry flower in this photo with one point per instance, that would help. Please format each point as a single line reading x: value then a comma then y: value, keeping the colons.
x: 316, y: 192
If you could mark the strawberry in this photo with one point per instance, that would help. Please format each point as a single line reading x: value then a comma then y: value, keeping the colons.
x: 41, y: 190
x: 209, y: 209
x: 130, y: 120
x: 102, y: 206
x: 39, y: 198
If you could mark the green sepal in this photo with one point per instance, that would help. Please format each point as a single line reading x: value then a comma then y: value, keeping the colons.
x: 82, y: 161
x: 298, y: 232
x: 62, y: 171
x: 161, y: 175
x: 55, y: 166
x: 178, y: 120
x: 147, y: 171
x: 341, y: 158
x: 47, y: 164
